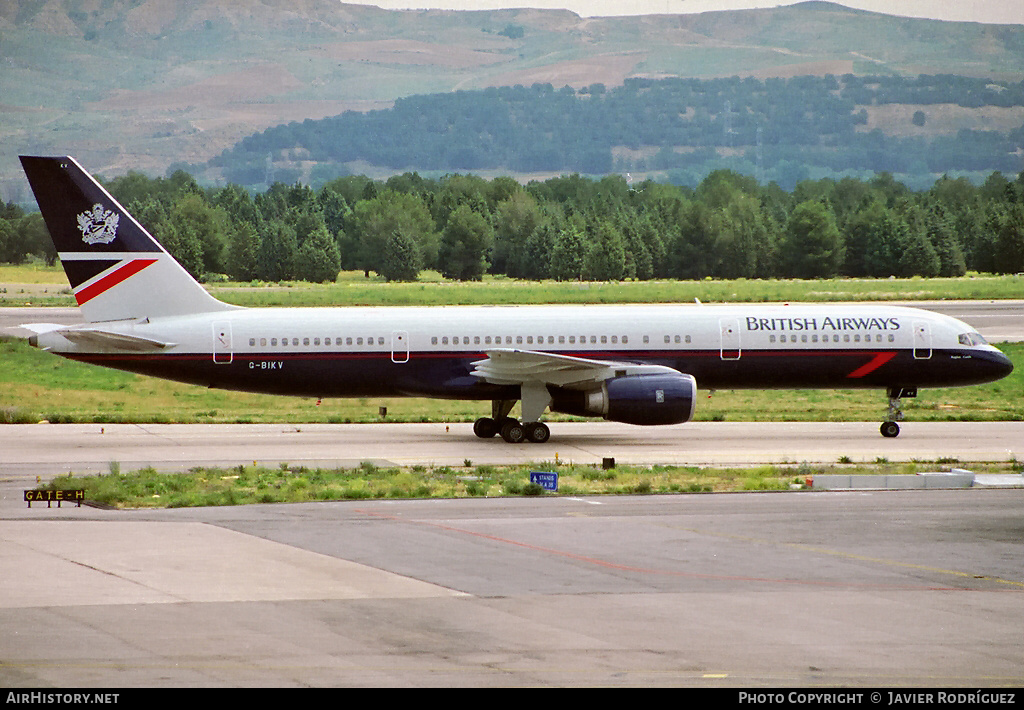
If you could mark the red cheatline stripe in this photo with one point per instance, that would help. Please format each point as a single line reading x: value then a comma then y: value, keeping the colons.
x: 112, y: 279
x: 873, y: 364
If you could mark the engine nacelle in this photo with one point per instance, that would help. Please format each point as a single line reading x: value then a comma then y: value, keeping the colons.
x: 633, y: 399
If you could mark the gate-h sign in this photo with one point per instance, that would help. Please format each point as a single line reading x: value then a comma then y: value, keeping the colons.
x: 545, y: 479
x: 69, y: 496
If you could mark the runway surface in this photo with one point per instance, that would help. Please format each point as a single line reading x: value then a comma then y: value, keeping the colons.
x: 868, y: 588
x: 918, y: 588
x: 30, y: 450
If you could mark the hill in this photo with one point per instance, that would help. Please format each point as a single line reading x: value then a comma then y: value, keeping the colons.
x: 142, y: 84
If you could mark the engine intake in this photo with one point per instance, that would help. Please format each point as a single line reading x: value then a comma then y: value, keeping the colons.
x: 634, y: 399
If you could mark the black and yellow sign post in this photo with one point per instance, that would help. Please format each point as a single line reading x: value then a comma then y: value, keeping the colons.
x: 69, y: 496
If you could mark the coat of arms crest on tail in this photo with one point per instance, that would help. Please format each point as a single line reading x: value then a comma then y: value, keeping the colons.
x: 98, y: 226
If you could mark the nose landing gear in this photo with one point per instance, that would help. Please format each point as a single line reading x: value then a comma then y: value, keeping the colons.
x: 890, y: 429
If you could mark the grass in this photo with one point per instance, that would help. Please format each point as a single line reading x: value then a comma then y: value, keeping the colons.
x: 245, y: 484
x: 38, y: 285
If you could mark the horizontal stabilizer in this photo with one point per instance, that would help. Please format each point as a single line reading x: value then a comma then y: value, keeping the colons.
x: 38, y: 328
x: 94, y: 337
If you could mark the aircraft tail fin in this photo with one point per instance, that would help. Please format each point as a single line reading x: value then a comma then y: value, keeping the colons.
x: 117, y: 270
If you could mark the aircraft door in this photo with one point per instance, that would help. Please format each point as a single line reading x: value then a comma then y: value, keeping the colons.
x: 730, y: 330
x: 922, y: 340
x: 399, y: 346
x: 222, y: 351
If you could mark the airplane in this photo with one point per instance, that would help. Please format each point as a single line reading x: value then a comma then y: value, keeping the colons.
x: 144, y: 313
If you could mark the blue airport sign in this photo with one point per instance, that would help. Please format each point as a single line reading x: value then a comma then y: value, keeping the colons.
x: 545, y: 479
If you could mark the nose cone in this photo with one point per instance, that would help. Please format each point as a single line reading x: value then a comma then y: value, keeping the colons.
x: 997, y: 365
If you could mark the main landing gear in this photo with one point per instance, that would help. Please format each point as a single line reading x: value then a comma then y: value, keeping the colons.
x: 890, y: 429
x: 511, y: 430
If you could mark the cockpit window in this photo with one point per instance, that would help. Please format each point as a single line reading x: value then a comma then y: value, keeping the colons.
x: 971, y: 339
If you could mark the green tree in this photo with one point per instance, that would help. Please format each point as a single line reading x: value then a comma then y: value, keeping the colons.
x: 743, y: 241
x: 278, y: 251
x: 918, y: 258
x: 465, y: 242
x: 191, y: 214
x: 181, y: 240
x: 12, y: 251
x: 318, y: 259
x: 812, y: 246
x: 875, y: 237
x: 400, y: 258
x: 1009, y: 252
x: 376, y: 219
x: 567, y: 251
x: 242, y: 260
x: 516, y: 217
x: 605, y: 258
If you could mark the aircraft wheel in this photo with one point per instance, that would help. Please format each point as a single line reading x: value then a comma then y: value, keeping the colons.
x: 485, y: 427
x: 537, y: 432
x: 890, y: 430
x: 513, y: 432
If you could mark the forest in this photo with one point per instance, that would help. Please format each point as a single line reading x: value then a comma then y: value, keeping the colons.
x: 570, y: 227
x: 781, y: 130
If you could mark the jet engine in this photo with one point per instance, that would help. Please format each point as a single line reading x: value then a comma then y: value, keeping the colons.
x: 634, y: 399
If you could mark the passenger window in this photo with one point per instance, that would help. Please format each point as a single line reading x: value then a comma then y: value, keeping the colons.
x: 487, y: 340
x: 433, y: 340
x: 593, y: 340
x: 668, y: 340
x: 273, y: 342
x: 647, y: 339
x: 316, y: 341
x: 625, y: 339
x: 615, y: 339
x: 252, y: 341
x: 572, y: 340
x: 476, y: 340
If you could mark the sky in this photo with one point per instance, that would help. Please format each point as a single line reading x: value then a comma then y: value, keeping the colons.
x: 989, y: 11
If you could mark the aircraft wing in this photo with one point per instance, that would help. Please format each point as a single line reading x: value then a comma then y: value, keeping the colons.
x: 517, y: 367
